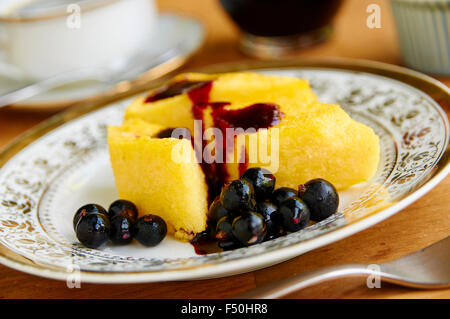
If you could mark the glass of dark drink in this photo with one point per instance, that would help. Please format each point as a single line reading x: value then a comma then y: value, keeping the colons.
x: 272, y: 28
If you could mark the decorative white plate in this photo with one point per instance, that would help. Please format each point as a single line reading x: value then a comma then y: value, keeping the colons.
x: 173, y: 32
x: 50, y: 172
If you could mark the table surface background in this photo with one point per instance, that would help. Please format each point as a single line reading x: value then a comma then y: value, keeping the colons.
x: 424, y: 222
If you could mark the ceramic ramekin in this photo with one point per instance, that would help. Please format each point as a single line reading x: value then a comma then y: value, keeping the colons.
x: 424, y: 33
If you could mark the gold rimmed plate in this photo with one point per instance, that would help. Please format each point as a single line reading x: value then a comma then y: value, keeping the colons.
x: 52, y: 170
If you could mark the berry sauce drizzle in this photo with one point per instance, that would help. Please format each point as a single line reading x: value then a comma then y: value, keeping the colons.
x: 200, y: 93
x: 215, y: 173
x: 174, y: 89
x: 204, y: 244
x: 256, y: 116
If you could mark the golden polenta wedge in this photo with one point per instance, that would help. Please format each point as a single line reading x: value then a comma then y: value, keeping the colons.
x: 322, y: 143
x: 146, y: 173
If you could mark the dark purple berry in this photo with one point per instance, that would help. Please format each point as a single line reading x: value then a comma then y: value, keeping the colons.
x: 262, y: 180
x: 93, y: 230
x: 281, y: 194
x: 85, y: 210
x: 124, y: 208
x: 223, y: 229
x: 122, y: 229
x: 238, y: 195
x: 321, y: 197
x: 216, y: 212
x: 267, y: 210
x: 249, y: 228
x: 292, y: 214
x: 150, y: 230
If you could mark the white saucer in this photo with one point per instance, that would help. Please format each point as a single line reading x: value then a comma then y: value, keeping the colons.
x: 184, y: 33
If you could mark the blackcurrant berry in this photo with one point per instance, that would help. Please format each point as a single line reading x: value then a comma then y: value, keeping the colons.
x: 262, y: 180
x: 122, y: 229
x: 292, y: 214
x: 87, y: 209
x: 238, y: 195
x: 321, y: 198
x: 93, y: 230
x: 124, y: 208
x: 150, y: 230
x: 249, y: 228
x: 281, y: 194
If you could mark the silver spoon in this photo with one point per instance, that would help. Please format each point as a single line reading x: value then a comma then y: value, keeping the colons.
x: 138, y: 65
x: 428, y: 268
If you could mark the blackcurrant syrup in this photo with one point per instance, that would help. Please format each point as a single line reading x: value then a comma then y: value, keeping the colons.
x: 204, y: 243
x: 257, y: 116
x: 174, y: 89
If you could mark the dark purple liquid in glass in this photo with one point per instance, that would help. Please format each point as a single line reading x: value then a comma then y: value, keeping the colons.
x: 268, y: 18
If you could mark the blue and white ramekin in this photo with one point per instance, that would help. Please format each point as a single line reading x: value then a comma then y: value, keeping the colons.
x: 424, y: 32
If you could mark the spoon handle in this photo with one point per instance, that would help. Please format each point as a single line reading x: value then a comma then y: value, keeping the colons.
x: 303, y: 280
x: 36, y: 88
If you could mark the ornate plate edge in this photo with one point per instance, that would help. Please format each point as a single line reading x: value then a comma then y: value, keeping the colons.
x: 439, y: 92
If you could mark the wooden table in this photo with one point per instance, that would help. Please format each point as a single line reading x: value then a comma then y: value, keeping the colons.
x: 419, y: 225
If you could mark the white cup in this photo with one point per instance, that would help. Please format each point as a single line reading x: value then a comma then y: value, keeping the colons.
x: 42, y: 38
